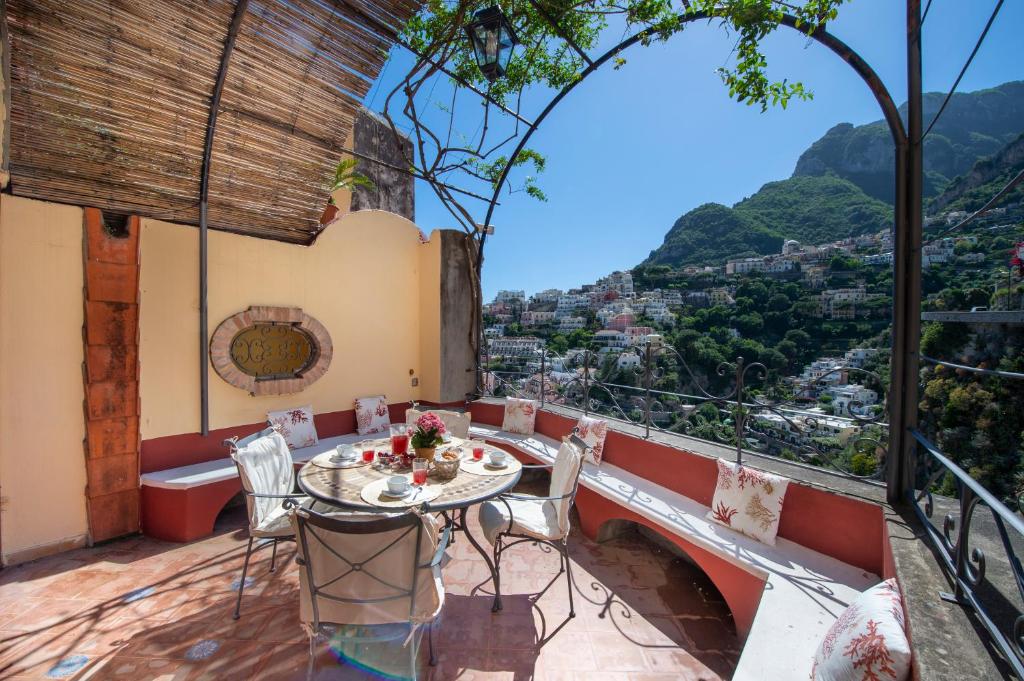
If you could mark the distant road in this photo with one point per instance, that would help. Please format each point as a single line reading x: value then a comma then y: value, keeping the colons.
x: 992, y: 317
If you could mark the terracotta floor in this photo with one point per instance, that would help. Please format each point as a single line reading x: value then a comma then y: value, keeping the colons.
x: 142, y: 609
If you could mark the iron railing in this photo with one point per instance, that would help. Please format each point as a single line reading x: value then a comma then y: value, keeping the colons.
x: 981, y: 582
x: 747, y: 412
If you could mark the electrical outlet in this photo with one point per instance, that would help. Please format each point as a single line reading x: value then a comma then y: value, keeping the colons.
x: 415, y: 382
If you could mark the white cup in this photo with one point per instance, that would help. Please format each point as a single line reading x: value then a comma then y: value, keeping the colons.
x: 398, y: 484
x: 344, y: 452
x: 497, y: 457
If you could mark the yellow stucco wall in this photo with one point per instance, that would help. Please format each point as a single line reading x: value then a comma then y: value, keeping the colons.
x: 362, y: 279
x: 42, y: 460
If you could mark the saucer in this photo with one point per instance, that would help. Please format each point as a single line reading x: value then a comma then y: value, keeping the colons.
x: 400, y: 495
x: 496, y: 466
x: 334, y: 458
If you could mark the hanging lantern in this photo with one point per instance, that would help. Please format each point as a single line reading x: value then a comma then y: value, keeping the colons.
x: 493, y: 40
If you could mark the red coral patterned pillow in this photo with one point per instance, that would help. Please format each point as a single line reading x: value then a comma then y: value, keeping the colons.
x: 868, y: 641
x: 593, y: 431
x: 372, y: 415
x: 520, y: 416
x: 295, y: 425
x: 748, y: 500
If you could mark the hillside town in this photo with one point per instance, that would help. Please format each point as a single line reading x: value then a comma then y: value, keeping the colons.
x: 843, y: 284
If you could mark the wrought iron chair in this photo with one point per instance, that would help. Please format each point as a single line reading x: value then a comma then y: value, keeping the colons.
x: 543, y: 520
x: 267, y: 473
x: 457, y: 423
x: 364, y: 571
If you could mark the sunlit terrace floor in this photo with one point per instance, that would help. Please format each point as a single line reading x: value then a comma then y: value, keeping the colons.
x: 143, y: 609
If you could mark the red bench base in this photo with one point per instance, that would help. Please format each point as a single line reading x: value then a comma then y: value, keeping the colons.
x: 183, y: 515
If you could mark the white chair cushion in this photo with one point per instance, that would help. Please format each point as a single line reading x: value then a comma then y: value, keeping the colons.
x: 277, y: 523
x: 372, y: 415
x: 748, y: 500
x: 868, y: 640
x: 520, y: 416
x: 265, y: 467
x: 296, y: 425
x: 533, y: 518
x: 563, y: 477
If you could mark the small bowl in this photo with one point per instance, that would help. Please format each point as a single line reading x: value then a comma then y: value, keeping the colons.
x: 497, y: 457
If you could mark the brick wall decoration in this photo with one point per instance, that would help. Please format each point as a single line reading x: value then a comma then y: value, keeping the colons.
x: 111, y: 375
x: 229, y: 329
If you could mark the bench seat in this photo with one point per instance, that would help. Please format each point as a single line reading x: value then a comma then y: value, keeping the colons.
x: 181, y: 504
x: 804, y: 591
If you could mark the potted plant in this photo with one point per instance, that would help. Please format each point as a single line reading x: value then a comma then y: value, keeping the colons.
x: 345, y: 179
x: 427, y: 435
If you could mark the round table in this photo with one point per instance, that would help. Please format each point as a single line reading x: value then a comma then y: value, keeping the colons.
x: 342, y: 487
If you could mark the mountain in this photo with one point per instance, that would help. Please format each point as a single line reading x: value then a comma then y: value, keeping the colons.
x: 974, y: 125
x: 708, y: 232
x: 984, y: 180
x: 843, y: 183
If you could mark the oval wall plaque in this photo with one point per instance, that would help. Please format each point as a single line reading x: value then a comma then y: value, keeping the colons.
x: 271, y: 350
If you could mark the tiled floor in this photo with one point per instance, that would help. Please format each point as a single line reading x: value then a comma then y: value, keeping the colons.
x: 141, y: 609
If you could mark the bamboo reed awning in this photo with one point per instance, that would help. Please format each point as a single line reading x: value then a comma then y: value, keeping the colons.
x: 109, y: 104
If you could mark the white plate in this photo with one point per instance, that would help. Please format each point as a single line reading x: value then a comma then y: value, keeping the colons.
x: 496, y: 466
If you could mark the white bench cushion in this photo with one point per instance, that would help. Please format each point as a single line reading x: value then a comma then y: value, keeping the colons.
x: 805, y: 590
x: 209, y: 472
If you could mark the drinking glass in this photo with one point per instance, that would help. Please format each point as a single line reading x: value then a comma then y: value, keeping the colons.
x: 399, y: 439
x: 419, y: 471
x: 478, y: 450
x: 368, y: 456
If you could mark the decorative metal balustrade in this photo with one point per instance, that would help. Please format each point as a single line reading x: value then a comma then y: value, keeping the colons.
x: 741, y: 405
x: 977, y: 549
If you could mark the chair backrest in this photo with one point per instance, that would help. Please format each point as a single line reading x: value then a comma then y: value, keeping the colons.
x: 456, y: 422
x: 265, y: 467
x: 565, y: 476
x: 367, y: 568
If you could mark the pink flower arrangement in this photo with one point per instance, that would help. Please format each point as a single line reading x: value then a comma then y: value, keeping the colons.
x: 429, y: 429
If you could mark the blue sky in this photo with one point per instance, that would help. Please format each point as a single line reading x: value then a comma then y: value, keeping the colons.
x: 629, y: 151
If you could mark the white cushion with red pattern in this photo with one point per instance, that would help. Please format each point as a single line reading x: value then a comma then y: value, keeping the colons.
x: 593, y: 432
x: 520, y: 416
x: 748, y: 500
x: 295, y: 426
x: 868, y: 642
x: 372, y: 415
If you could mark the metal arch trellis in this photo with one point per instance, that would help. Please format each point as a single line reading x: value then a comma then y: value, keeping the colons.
x: 908, y: 167
x: 905, y: 224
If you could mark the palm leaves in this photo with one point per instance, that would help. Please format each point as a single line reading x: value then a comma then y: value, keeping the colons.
x: 346, y: 177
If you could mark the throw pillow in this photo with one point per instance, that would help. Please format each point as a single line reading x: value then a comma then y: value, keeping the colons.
x: 372, y: 415
x: 749, y: 501
x: 867, y: 641
x: 295, y: 426
x: 592, y: 431
x: 520, y: 416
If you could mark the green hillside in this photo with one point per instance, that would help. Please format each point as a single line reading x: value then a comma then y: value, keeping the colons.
x: 816, y: 209
x: 988, y: 176
x: 711, y: 233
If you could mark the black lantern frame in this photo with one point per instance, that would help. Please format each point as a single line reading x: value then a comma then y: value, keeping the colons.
x: 492, y: 39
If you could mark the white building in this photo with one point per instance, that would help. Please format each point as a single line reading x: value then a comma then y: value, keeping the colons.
x: 513, y: 346
x: 533, y: 317
x: 510, y: 297
x: 840, y: 303
x: 550, y: 295
x: 620, y: 282
x: 571, y: 323
x: 611, y: 340
x: 569, y: 303
x: 494, y: 331
x: 857, y: 357
x: 791, y: 247
x: 745, y: 265
x: 720, y: 296
x: 628, y: 360
x: 851, y: 399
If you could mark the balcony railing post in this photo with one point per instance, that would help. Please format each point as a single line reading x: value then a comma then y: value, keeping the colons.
x: 648, y: 374
x: 543, y: 356
x: 586, y: 381
x: 739, y: 411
